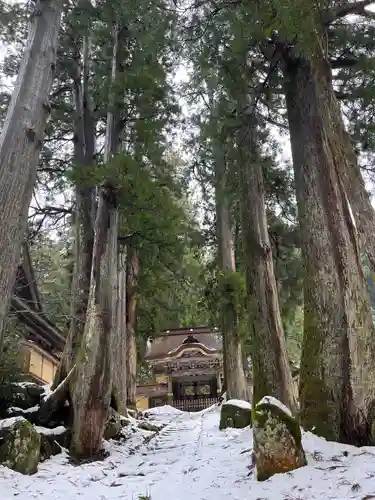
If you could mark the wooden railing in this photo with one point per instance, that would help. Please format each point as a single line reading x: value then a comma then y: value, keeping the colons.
x: 194, y: 404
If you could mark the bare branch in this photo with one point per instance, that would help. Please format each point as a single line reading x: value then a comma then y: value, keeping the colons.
x: 344, y: 62
x: 49, y: 210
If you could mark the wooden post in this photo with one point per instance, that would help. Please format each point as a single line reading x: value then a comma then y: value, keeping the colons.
x: 170, y: 390
x: 219, y: 388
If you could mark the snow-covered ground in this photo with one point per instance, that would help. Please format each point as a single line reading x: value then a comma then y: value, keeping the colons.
x: 190, y: 459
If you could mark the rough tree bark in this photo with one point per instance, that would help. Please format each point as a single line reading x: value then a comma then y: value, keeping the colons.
x: 350, y: 172
x: 22, y: 138
x: 360, y: 203
x: 359, y: 199
x: 114, y: 135
x: 234, y: 374
x: 93, y: 384
x: 120, y: 343
x: 131, y: 317
x: 95, y: 360
x: 271, y: 369
x: 84, y: 150
x: 337, y: 381
x: 236, y: 384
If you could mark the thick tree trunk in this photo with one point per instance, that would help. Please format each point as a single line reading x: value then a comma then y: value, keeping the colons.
x: 113, y: 140
x: 235, y: 380
x: 95, y: 361
x: 351, y: 176
x: 337, y: 381
x: 21, y: 141
x: 84, y: 145
x: 119, y: 391
x: 236, y: 383
x: 359, y: 199
x: 131, y: 312
x: 84, y: 241
x: 93, y: 384
x: 271, y: 369
x: 360, y: 203
x: 81, y: 284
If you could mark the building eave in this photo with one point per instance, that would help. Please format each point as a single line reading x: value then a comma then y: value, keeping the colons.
x: 39, y: 325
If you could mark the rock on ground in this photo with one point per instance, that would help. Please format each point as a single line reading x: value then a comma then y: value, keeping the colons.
x: 133, y: 412
x: 277, y: 439
x: 26, y: 395
x: 52, y: 441
x: 30, y: 414
x: 148, y: 426
x: 114, y: 424
x: 235, y: 413
x: 19, y: 445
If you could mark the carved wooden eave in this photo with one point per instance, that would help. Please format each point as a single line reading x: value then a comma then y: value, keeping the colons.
x: 200, y: 349
x: 169, y: 342
x: 200, y: 367
x: 189, y: 357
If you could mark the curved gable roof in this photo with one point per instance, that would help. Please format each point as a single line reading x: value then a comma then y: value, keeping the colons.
x: 171, y: 341
x: 177, y: 352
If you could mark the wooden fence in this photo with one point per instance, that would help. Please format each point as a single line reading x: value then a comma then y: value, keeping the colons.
x: 194, y: 404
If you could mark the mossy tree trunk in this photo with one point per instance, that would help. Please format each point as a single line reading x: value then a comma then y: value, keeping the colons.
x: 84, y: 150
x: 235, y: 382
x: 337, y: 381
x: 271, y: 368
x: 131, y: 317
x: 113, y: 141
x: 93, y: 381
x: 21, y: 141
x: 93, y: 387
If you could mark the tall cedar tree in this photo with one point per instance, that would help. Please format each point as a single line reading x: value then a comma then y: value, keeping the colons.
x: 21, y: 140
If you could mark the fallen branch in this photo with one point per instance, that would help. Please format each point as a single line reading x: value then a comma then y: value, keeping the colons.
x: 56, y: 399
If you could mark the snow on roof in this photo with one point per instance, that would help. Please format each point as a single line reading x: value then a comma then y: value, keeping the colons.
x: 270, y: 400
x: 240, y: 403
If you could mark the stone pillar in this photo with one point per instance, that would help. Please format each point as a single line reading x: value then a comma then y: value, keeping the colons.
x: 170, y: 390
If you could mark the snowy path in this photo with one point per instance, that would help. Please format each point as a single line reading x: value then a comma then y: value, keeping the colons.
x: 190, y: 459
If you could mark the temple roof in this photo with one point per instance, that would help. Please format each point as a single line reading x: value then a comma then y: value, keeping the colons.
x: 168, y: 342
x: 27, y: 304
